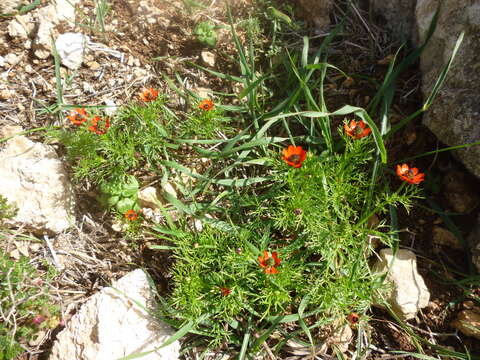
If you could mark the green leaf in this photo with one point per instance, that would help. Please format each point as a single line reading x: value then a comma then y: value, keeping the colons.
x: 188, y: 327
x: 112, y: 200
x: 125, y: 204
x: 246, y: 340
x: 279, y: 15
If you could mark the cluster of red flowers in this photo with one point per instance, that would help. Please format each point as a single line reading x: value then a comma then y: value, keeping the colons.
x: 225, y: 291
x: 353, y: 318
x: 268, y: 263
x: 410, y: 175
x: 78, y: 116
x: 206, y: 105
x: 131, y: 215
x: 97, y: 125
x: 357, y: 130
x: 148, y: 95
x: 295, y: 155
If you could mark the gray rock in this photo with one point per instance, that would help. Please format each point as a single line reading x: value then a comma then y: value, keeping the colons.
x: 34, y: 179
x: 460, y: 194
x: 408, y: 293
x: 111, y: 325
x: 399, y: 16
x: 318, y: 12
x: 454, y: 115
x: 474, y: 244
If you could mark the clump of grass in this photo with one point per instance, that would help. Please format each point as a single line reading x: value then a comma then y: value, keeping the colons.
x: 206, y: 34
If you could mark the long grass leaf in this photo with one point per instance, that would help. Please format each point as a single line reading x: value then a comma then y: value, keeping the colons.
x: 435, y: 89
x: 179, y: 334
x: 444, y: 73
x: 246, y: 340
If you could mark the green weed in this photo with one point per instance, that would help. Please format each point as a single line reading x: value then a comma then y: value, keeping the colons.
x: 25, y: 304
x: 311, y: 217
x: 205, y: 33
x: 7, y: 210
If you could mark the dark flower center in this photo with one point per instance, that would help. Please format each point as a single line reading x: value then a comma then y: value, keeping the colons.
x: 295, y: 158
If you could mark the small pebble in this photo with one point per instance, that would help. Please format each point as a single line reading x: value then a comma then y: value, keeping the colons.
x: 93, y: 65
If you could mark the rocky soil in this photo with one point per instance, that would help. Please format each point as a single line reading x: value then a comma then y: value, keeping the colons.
x: 107, y: 62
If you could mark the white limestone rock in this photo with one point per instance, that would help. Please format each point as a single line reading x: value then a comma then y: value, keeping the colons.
x: 66, y: 10
x: 149, y: 198
x: 110, y: 325
x: 341, y: 338
x: 33, y: 177
x: 70, y: 48
x: 408, y: 292
x: 208, y: 58
x: 46, y: 18
x: 21, y: 26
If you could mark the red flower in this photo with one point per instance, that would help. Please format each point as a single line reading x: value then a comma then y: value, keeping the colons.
x: 353, y: 318
x: 225, y: 291
x: 294, y: 156
x: 206, y: 105
x: 410, y: 175
x: 78, y: 116
x: 149, y: 94
x: 357, y: 130
x: 131, y: 215
x: 264, y: 262
x: 97, y: 127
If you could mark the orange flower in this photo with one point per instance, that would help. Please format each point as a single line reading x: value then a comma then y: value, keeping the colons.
x: 206, y: 105
x: 78, y: 116
x: 131, y: 215
x: 410, y: 175
x: 357, y: 130
x: 149, y: 94
x: 264, y: 262
x: 97, y: 127
x: 225, y: 291
x: 353, y: 318
x: 294, y: 156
